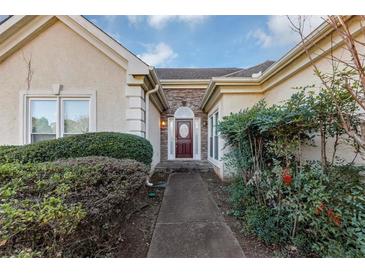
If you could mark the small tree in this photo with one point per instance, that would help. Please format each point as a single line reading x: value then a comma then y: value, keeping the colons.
x: 350, y: 78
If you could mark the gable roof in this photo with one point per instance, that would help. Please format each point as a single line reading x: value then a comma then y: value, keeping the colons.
x: 16, y: 31
x: 31, y: 25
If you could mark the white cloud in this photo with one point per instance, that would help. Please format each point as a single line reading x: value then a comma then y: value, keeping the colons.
x: 134, y: 19
x: 160, y: 21
x: 157, y: 55
x: 280, y: 32
x: 262, y: 37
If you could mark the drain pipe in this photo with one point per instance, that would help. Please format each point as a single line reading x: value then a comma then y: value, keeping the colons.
x: 148, y: 93
x: 147, y: 108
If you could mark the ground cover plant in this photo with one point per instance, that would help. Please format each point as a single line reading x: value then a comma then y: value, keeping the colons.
x: 74, y: 196
x: 315, y: 207
x: 69, y: 208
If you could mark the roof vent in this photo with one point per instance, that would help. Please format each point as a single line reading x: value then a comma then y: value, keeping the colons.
x: 256, y: 75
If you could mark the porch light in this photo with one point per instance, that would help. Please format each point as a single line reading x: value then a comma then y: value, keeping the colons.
x: 163, y: 123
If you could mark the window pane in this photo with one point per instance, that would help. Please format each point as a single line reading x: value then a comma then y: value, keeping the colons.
x: 211, y: 146
x: 211, y: 125
x: 76, y: 116
x: 216, y: 147
x: 42, y: 137
x: 43, y: 116
x: 215, y: 124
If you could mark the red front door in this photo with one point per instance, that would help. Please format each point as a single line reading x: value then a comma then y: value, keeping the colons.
x: 184, y: 139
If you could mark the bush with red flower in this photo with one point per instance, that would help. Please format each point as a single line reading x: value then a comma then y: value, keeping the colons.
x: 317, y: 206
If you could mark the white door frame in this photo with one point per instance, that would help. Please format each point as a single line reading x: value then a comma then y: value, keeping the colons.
x: 171, y: 137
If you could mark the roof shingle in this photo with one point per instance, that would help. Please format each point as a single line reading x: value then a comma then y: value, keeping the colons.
x: 208, y: 73
x: 193, y: 73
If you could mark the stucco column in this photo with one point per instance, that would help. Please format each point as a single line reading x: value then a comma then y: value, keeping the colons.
x: 135, y: 113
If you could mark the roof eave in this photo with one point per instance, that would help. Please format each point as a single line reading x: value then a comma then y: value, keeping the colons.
x: 153, y: 76
x: 321, y: 31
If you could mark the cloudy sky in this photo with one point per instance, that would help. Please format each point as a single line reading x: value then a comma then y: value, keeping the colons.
x: 203, y: 41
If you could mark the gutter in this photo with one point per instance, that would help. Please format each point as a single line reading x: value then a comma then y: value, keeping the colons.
x: 152, y: 76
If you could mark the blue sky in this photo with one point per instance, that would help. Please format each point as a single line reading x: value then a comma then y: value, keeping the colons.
x: 203, y: 41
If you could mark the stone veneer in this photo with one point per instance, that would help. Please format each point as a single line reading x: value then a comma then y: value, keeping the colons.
x: 191, y: 98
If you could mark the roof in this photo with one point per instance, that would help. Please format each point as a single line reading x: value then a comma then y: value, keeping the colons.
x: 193, y: 73
x: 30, y: 26
x: 208, y: 73
x: 260, y: 68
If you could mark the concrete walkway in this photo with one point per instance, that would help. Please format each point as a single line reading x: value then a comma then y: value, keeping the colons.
x: 190, y: 224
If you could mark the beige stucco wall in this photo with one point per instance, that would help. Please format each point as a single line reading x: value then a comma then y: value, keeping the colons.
x: 232, y: 103
x: 281, y: 86
x: 305, y: 77
x: 154, y: 132
x: 59, y: 55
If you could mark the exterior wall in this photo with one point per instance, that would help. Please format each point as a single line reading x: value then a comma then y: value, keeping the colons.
x: 184, y: 97
x: 227, y: 104
x: 306, y: 77
x: 298, y: 73
x: 154, y: 132
x: 60, y: 56
x: 135, y: 113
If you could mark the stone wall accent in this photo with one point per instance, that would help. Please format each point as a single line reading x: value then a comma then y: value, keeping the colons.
x: 191, y: 98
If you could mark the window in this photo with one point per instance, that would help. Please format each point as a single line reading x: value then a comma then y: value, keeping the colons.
x: 43, y: 115
x: 75, y: 118
x: 213, y: 136
x: 50, y: 118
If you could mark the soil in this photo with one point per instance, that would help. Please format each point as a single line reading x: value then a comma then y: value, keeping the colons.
x: 250, y: 244
x: 136, y: 233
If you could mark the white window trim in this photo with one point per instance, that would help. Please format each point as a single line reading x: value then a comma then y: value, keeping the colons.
x: 216, y: 162
x: 53, y: 94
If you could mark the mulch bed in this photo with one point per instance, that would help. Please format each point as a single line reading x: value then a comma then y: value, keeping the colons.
x: 250, y: 244
x: 136, y: 233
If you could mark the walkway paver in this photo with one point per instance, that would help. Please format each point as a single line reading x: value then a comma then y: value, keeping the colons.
x: 190, y: 224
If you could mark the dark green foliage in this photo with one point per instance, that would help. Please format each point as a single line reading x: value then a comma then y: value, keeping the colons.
x: 262, y: 221
x: 66, y: 208
x: 319, y: 207
x: 109, y: 144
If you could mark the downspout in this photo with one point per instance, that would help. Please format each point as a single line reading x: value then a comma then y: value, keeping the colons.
x: 148, y: 93
x: 154, y: 90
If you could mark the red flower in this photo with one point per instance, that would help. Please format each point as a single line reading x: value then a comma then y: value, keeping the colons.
x: 320, y: 208
x: 334, y: 218
x: 287, y: 178
x: 337, y: 220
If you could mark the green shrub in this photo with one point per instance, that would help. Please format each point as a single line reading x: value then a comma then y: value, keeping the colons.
x: 262, y: 222
x: 109, y: 144
x: 65, y: 208
x: 282, y: 198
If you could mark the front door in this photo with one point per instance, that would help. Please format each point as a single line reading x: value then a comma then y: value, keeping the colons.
x: 184, y: 139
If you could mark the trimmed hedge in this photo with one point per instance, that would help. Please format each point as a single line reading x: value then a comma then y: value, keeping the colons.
x: 68, y: 208
x: 109, y: 144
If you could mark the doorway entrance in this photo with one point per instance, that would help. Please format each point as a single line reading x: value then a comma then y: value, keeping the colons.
x: 184, y: 138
